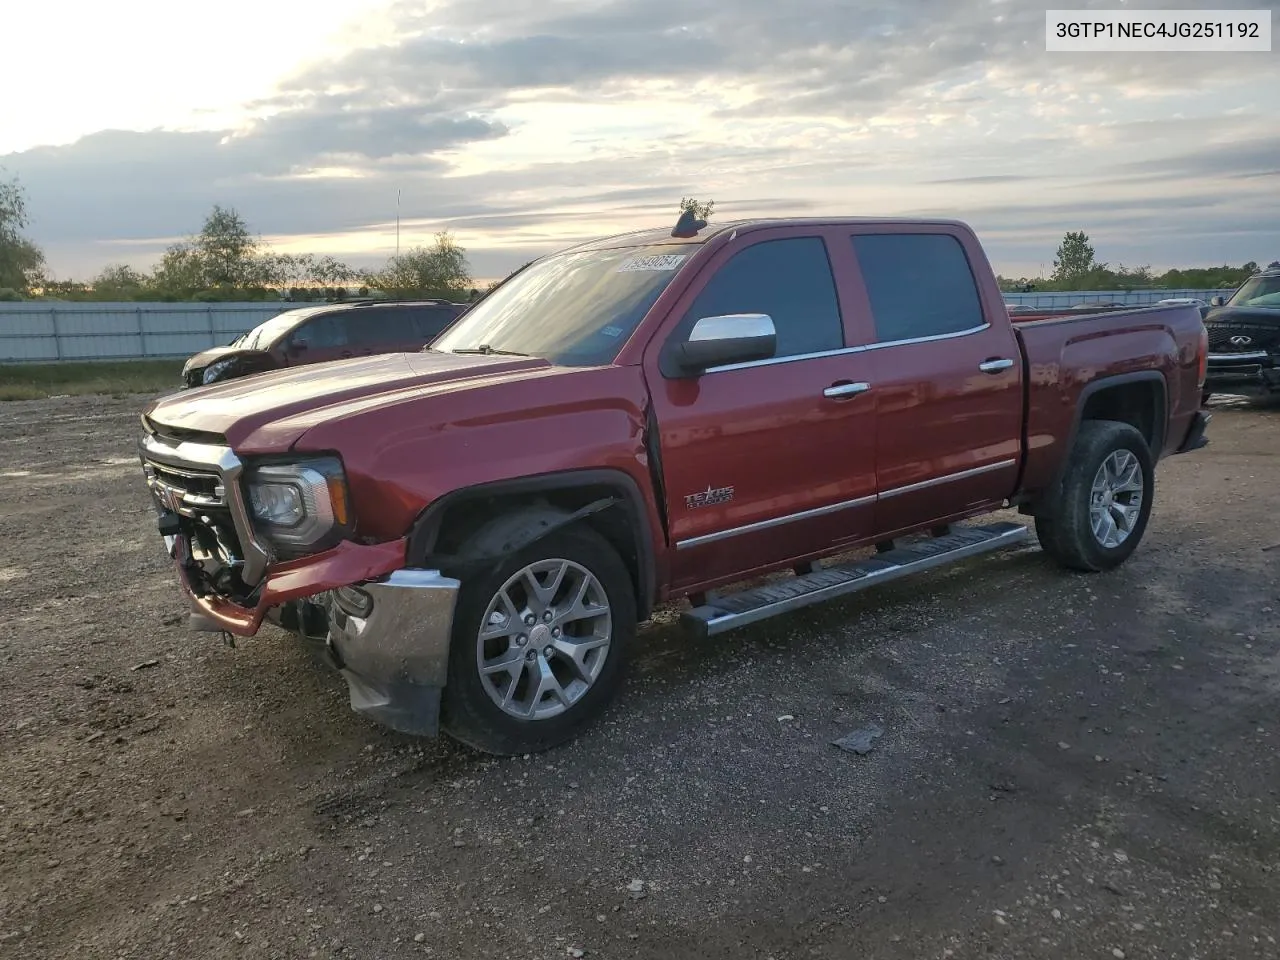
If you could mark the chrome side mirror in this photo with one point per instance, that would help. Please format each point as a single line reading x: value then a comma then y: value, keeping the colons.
x: 728, y: 339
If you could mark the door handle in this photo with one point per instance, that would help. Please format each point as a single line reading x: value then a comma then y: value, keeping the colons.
x: 995, y: 365
x: 838, y: 390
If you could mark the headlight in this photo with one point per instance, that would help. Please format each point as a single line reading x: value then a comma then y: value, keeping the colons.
x: 300, y: 507
x: 215, y: 370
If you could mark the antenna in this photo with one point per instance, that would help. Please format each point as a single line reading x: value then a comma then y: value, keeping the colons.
x: 397, y: 221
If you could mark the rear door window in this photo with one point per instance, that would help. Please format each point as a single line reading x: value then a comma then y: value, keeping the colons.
x: 372, y: 326
x: 919, y: 285
x: 791, y: 281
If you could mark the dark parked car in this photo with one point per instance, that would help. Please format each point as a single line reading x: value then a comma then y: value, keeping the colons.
x: 1244, y: 339
x: 317, y: 334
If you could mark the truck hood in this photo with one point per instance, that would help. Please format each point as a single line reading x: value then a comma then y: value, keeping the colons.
x: 264, y: 413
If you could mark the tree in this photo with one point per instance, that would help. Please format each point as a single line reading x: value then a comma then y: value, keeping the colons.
x: 702, y: 209
x: 229, y: 256
x: 222, y: 261
x: 118, y: 282
x: 1074, y: 259
x: 178, y: 275
x: 21, y: 261
x: 440, y: 270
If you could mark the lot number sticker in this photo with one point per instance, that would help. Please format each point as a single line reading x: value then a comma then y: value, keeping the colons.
x: 668, y: 262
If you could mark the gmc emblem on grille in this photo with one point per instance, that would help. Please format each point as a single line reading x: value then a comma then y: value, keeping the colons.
x: 1241, y: 341
x: 167, y: 497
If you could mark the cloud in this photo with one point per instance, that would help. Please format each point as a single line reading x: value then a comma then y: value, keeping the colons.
x: 524, y: 127
x: 998, y: 178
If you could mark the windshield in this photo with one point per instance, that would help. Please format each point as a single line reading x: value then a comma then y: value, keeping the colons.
x: 1258, y: 292
x: 264, y: 334
x: 575, y: 309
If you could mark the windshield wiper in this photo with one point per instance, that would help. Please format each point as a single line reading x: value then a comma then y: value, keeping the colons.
x: 487, y: 350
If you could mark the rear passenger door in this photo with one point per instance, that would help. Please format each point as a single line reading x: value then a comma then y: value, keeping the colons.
x: 381, y: 330
x: 946, y: 375
x: 767, y: 461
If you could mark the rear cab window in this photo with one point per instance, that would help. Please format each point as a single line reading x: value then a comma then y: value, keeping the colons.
x: 919, y: 285
x: 789, y: 279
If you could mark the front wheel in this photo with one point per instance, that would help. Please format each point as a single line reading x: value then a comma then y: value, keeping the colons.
x: 1105, y: 499
x: 539, y: 644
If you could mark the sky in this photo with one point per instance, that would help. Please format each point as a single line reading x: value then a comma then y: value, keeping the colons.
x: 523, y: 127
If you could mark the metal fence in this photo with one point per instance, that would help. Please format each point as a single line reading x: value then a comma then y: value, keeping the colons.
x: 43, y: 330
x: 1130, y: 298
x: 39, y: 331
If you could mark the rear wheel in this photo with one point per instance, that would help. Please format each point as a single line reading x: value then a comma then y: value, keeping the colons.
x: 1105, y: 500
x: 539, y: 644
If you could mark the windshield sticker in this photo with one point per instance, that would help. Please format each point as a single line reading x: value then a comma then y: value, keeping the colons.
x: 663, y: 263
x: 612, y: 331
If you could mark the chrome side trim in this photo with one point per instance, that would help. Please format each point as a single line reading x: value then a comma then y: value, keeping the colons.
x: 773, y: 361
x: 840, y: 351
x: 837, y: 507
x: 774, y: 522
x: 187, y: 454
x: 938, y: 481
x: 933, y: 339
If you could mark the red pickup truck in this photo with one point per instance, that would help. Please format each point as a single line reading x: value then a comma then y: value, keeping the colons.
x: 472, y: 533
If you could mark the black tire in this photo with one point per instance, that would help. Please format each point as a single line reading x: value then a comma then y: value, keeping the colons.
x: 1205, y: 397
x: 469, y: 714
x: 1064, y: 527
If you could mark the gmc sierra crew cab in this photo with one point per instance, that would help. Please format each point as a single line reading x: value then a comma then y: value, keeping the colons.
x: 755, y: 416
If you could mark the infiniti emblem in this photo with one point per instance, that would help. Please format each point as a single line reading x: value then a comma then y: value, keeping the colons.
x: 1241, y: 341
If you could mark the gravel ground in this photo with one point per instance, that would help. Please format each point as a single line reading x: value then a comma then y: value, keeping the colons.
x: 1071, y: 766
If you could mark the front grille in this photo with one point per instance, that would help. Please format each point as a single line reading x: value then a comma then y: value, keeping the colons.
x: 199, y: 483
x: 1242, y: 337
x: 185, y: 491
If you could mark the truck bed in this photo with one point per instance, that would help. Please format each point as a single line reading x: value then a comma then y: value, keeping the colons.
x: 1156, y: 346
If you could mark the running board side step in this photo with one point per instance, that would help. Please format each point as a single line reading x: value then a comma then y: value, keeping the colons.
x: 721, y: 613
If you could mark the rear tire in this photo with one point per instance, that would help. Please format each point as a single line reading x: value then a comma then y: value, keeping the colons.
x: 1105, y: 499
x: 539, y: 644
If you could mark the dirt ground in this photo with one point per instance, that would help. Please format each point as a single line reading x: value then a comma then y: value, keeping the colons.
x: 1071, y: 766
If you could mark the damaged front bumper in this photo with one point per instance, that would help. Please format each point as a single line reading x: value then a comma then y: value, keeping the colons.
x: 384, y: 627
x: 389, y: 639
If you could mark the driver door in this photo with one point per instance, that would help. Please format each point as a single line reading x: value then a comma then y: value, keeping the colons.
x: 767, y: 461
